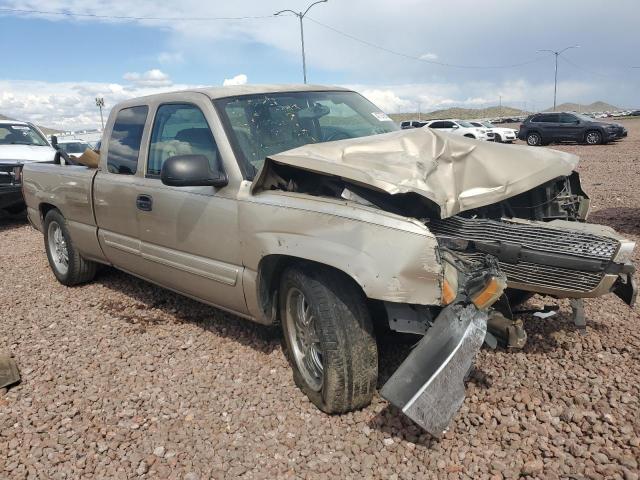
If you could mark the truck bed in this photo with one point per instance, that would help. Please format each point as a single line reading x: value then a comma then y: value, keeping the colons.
x: 70, y: 189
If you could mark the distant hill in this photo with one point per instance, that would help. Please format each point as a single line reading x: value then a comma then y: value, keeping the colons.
x: 462, y: 113
x: 592, y: 107
x: 46, y: 130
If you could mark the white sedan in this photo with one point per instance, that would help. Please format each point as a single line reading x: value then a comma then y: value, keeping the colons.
x: 501, y: 134
x: 463, y: 128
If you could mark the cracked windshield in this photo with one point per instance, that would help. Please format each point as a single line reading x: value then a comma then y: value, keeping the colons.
x: 263, y: 125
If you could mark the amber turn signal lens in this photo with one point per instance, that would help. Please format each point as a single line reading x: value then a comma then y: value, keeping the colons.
x: 489, y: 294
x: 448, y: 294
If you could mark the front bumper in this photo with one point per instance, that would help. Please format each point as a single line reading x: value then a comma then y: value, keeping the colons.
x: 10, y: 197
x: 429, y: 385
x: 10, y: 186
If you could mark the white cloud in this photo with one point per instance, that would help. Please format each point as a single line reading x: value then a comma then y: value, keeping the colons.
x: 150, y: 78
x: 240, y: 79
x: 67, y: 105
x: 71, y: 105
x: 429, y: 56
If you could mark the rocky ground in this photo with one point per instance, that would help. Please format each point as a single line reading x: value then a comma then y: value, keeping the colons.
x: 122, y: 379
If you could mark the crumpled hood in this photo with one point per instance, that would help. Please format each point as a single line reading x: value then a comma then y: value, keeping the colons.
x: 26, y: 153
x: 455, y: 172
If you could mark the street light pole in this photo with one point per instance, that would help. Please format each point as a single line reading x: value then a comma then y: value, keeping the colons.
x: 555, y: 78
x: 100, y: 104
x: 300, y: 16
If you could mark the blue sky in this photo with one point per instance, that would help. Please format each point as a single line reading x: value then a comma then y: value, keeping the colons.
x: 53, y: 66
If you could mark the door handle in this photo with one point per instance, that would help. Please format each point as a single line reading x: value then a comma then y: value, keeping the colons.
x: 144, y: 202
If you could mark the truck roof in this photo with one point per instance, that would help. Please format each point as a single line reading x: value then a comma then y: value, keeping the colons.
x: 233, y: 90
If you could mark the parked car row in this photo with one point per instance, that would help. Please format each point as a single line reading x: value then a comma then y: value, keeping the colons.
x: 478, y: 129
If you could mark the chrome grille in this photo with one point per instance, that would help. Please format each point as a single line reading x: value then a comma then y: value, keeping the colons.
x: 542, y: 277
x: 535, y: 237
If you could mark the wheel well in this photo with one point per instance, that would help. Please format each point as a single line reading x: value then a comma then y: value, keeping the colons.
x: 46, y: 208
x: 269, y: 273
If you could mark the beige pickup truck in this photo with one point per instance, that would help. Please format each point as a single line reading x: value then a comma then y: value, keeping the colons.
x: 306, y: 206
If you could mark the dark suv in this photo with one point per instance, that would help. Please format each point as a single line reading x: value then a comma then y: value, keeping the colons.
x: 544, y: 128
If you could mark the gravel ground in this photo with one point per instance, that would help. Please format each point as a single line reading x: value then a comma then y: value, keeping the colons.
x: 122, y: 379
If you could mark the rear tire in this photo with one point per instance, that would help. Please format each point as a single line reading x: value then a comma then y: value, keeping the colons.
x: 534, y: 139
x: 69, y: 267
x: 328, y: 337
x: 468, y: 135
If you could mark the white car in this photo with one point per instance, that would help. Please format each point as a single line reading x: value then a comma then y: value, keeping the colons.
x: 463, y: 128
x: 501, y: 134
x: 73, y: 146
x: 22, y: 142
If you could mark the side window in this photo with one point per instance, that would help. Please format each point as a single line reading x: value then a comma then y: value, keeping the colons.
x: 437, y: 125
x: 536, y: 118
x: 180, y: 129
x: 124, y: 142
x: 549, y: 118
x: 447, y: 125
x: 567, y: 118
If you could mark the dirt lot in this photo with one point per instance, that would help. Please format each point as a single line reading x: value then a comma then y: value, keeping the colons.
x: 123, y: 379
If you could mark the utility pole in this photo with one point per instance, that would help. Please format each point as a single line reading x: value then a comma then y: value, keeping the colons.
x: 300, y: 16
x: 555, y: 81
x: 500, y: 105
x: 100, y: 104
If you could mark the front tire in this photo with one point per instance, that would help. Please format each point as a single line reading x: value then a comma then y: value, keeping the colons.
x: 69, y: 267
x: 328, y: 338
x: 497, y: 138
x: 534, y: 139
x: 593, y: 137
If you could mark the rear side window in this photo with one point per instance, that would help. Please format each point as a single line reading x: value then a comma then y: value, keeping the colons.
x: 124, y: 143
x: 438, y: 125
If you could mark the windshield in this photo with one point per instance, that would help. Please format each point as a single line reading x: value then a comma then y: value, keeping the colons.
x: 17, y: 134
x: 266, y: 124
x: 73, y: 147
x: 488, y: 124
x: 464, y: 124
x: 582, y: 117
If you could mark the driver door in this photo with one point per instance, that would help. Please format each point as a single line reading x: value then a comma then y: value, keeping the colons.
x: 189, y: 235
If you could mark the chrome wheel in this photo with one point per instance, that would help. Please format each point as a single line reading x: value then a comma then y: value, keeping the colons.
x: 593, y: 138
x: 303, y: 338
x: 534, y: 139
x: 58, y: 248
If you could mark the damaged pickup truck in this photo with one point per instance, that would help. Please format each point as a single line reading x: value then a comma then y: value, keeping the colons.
x: 306, y: 206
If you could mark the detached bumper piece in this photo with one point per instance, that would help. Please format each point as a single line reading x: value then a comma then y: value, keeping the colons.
x: 9, y: 374
x: 429, y: 385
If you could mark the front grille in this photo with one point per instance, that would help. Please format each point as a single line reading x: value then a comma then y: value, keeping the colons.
x: 545, y: 277
x: 6, y: 175
x: 536, y: 237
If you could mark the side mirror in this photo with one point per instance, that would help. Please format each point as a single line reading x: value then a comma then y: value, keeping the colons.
x: 455, y: 126
x: 191, y: 171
